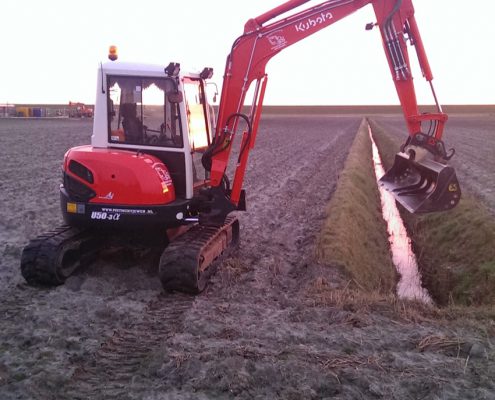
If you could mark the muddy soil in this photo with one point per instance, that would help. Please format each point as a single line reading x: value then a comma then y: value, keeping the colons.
x: 256, y: 332
x: 473, y: 138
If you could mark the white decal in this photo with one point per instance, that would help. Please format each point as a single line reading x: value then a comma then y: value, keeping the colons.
x: 163, y: 174
x: 104, y: 215
x: 313, y: 22
x: 277, y: 41
x: 128, y: 211
x: 108, y: 196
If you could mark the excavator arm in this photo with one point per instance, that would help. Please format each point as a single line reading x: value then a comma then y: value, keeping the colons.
x: 414, y: 185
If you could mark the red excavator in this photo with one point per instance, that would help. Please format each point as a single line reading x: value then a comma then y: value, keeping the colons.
x: 155, y: 173
x: 79, y: 110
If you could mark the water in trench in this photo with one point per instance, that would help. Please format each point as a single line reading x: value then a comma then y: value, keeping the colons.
x: 409, y: 285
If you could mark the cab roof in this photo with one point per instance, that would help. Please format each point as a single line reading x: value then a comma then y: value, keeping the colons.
x: 129, y: 68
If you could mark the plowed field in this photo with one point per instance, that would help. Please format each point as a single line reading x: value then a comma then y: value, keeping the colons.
x: 256, y: 332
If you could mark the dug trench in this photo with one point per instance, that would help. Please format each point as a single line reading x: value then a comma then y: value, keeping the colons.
x: 456, y: 249
x: 275, y: 322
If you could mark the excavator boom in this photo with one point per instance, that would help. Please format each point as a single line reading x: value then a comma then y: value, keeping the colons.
x: 419, y: 186
x: 134, y: 190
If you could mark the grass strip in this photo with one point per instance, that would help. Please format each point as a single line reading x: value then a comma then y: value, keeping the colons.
x: 354, y: 234
x: 455, y: 249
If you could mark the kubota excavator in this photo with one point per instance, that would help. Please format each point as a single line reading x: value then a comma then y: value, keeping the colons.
x: 79, y: 110
x: 155, y: 172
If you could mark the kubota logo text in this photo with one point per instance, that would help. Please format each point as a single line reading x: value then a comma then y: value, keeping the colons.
x: 312, y: 22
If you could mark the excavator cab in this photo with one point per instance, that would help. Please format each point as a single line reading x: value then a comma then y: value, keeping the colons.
x: 422, y: 186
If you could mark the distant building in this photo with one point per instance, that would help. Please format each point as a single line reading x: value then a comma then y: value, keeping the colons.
x: 7, y: 110
x: 40, y: 111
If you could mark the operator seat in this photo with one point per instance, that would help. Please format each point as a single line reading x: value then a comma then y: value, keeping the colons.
x: 133, y: 127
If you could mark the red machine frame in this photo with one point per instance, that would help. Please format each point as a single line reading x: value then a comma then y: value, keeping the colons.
x: 259, y: 43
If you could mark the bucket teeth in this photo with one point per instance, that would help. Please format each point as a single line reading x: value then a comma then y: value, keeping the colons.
x: 422, y: 186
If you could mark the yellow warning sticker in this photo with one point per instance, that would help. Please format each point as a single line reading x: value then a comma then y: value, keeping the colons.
x: 72, y: 208
x: 452, y: 187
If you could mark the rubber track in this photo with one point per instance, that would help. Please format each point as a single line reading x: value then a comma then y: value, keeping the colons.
x: 40, y: 258
x: 179, y: 263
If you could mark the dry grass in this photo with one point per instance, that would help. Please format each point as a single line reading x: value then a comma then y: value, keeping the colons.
x: 350, y: 361
x: 362, y: 303
x: 338, y: 363
x: 179, y: 358
x: 354, y: 234
x: 455, y: 249
x: 232, y: 270
x: 437, y: 343
x: 349, y: 297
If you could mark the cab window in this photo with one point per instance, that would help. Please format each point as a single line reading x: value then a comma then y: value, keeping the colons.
x: 140, y: 112
x: 199, y: 133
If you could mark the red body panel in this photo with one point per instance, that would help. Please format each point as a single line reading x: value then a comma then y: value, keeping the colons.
x: 123, y: 177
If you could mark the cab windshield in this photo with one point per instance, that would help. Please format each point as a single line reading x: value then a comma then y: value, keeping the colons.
x: 139, y: 112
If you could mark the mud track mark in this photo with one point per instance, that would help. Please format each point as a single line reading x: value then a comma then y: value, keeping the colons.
x: 288, y: 192
x: 116, y: 367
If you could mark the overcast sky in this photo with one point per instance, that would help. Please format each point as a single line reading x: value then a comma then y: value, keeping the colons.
x: 51, y: 49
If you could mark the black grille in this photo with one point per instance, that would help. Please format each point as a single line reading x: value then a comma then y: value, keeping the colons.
x: 77, y: 191
x: 81, y: 171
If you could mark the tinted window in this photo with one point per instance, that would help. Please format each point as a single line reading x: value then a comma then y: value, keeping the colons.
x: 140, y: 112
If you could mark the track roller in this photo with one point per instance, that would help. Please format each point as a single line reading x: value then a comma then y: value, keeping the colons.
x: 188, y: 262
x: 52, y: 257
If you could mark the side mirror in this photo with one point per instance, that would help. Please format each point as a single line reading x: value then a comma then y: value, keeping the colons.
x: 215, y: 93
x: 175, y: 98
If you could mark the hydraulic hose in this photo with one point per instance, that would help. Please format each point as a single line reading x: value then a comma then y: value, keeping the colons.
x: 248, y: 123
x: 218, y: 145
x: 393, y: 45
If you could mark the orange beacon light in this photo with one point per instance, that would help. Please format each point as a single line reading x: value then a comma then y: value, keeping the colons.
x: 112, y: 53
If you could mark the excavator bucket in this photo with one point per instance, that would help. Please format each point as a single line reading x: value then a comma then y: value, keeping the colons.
x: 422, y: 186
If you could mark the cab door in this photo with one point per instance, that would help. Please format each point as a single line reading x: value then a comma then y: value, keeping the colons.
x: 199, y: 129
